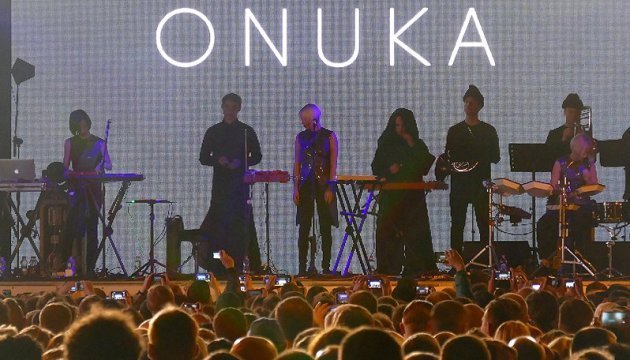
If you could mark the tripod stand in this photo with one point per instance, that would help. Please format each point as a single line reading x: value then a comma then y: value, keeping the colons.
x: 149, y: 266
x: 568, y: 257
x: 611, y: 272
x: 492, y: 255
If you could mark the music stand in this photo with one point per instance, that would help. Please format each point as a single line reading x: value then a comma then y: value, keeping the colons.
x: 531, y: 158
x: 611, y: 153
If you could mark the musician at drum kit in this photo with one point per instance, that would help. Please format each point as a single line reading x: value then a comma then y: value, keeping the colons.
x: 403, y: 234
x: 84, y: 153
x: 574, y: 170
x: 559, y: 138
x: 230, y: 218
x: 471, y: 146
x: 316, y: 150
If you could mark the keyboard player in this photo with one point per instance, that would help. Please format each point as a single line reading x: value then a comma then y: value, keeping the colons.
x: 85, y: 153
x: 403, y: 235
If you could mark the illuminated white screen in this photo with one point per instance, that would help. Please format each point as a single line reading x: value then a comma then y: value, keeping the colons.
x: 359, y: 60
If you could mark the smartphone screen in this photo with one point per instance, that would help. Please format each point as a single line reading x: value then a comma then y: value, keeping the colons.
x: 536, y: 286
x: 216, y: 255
x: 342, y: 297
x: 118, y: 295
x: 423, y: 290
x: 281, y: 280
x: 204, y: 277
x: 375, y: 284
x: 503, y: 276
x: 614, y: 318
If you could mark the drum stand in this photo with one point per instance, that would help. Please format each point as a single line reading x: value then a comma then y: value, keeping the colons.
x: 491, y: 225
x: 611, y: 272
x: 566, y: 255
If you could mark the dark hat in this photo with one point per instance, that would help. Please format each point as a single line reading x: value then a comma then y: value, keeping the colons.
x: 573, y: 101
x: 474, y: 92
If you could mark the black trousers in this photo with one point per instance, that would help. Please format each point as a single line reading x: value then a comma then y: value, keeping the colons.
x: 548, y: 235
x: 309, y: 196
x: 83, y: 219
x: 230, y: 221
x: 462, y: 194
x: 403, y: 235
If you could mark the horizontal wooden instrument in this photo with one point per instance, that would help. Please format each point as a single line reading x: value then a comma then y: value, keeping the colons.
x: 266, y: 176
x: 30, y: 186
x: 109, y: 177
x: 372, y: 183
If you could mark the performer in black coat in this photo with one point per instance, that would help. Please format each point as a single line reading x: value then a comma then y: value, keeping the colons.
x: 476, y: 143
x: 403, y: 235
x: 230, y: 219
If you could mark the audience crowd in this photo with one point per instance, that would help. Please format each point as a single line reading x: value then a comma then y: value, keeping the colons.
x: 479, y: 318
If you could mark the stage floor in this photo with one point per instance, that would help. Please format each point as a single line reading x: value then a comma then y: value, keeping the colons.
x: 133, y: 286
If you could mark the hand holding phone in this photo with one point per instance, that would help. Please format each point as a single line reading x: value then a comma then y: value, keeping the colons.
x: 119, y: 295
x: 342, y: 297
x: 203, y: 277
x: 281, y: 280
x: 502, y: 279
x: 375, y: 283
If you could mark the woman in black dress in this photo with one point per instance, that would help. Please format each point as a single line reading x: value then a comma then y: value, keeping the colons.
x: 403, y: 235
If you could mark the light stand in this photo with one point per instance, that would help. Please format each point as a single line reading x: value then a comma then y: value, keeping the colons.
x: 21, y: 71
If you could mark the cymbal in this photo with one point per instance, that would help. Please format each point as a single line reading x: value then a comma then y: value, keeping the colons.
x: 150, y: 201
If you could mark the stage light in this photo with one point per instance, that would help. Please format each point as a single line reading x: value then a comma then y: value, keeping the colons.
x: 22, y: 71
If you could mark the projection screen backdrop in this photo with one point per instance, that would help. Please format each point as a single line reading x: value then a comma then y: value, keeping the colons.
x: 159, y: 68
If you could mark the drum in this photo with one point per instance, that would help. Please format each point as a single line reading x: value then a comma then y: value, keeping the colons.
x: 609, y: 212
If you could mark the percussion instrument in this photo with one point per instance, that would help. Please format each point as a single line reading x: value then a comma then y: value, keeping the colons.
x: 538, y: 189
x: 590, y: 190
x: 507, y: 187
x: 514, y: 212
x: 569, y: 207
x: 609, y: 212
x: 431, y: 185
